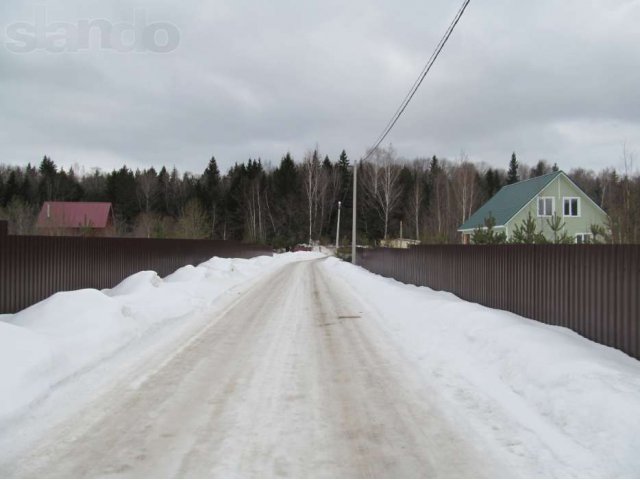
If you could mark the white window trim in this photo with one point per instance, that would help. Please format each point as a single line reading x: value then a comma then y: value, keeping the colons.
x: 553, y: 206
x: 579, y: 207
x: 583, y: 234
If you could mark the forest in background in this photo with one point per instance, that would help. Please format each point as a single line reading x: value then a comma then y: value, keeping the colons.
x: 297, y: 202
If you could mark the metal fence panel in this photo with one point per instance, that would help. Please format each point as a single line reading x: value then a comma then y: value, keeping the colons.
x: 34, y: 267
x: 591, y: 289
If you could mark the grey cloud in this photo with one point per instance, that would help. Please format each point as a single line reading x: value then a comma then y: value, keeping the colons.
x: 547, y: 79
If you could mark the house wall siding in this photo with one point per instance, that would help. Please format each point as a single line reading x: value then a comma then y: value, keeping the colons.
x: 559, y: 188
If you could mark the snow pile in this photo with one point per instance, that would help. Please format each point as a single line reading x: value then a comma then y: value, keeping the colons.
x: 73, y: 331
x: 581, y: 397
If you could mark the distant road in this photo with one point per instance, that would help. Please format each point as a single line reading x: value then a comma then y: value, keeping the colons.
x: 293, y: 380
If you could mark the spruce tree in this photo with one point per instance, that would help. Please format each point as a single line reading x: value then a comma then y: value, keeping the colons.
x: 491, y: 182
x: 434, y: 166
x: 512, y: 174
x: 11, y: 189
x: 345, y: 179
x: 163, y: 192
x: 121, y: 191
x: 343, y: 161
x: 209, y: 190
x: 48, y: 182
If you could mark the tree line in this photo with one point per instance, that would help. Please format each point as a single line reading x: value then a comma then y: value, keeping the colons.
x: 297, y: 201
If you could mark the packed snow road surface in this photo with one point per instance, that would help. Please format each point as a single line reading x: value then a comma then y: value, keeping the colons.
x: 298, y: 365
x: 293, y: 380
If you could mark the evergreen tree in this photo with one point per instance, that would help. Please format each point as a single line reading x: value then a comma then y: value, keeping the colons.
x: 492, y: 183
x: 209, y: 191
x: 285, y: 177
x: 48, y: 183
x: 94, y: 187
x: 175, y: 194
x: 528, y: 232
x: 487, y: 235
x: 346, y: 185
x: 162, y: 199
x: 434, y: 165
x: 343, y: 161
x: 512, y: 173
x: 121, y: 191
x: 598, y: 234
x: 556, y: 225
x: 211, y: 175
x: 69, y: 188
x: 25, y: 191
x: 11, y: 188
x: 48, y: 167
x: 234, y: 214
x: 287, y: 202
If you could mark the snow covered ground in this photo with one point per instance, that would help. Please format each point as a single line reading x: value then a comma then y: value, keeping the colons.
x: 70, y: 332
x: 300, y: 365
x: 539, y: 390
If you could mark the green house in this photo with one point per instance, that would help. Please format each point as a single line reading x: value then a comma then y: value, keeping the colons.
x: 542, y: 197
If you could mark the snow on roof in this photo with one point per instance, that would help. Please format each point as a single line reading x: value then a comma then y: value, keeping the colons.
x: 74, y: 215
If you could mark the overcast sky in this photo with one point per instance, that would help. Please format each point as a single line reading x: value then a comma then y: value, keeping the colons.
x: 555, y: 80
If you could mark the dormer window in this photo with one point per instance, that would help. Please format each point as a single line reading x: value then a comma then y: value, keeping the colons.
x: 545, y: 206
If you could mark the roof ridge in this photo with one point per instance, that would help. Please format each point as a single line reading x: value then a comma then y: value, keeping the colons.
x: 507, y: 202
x: 533, y: 178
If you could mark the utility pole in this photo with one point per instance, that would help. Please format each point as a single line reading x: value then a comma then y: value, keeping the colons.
x: 338, y: 227
x: 353, y: 225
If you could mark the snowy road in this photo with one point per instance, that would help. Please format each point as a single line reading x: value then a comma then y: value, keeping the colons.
x: 294, y: 379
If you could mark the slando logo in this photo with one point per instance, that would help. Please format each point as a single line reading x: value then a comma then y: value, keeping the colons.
x: 66, y: 37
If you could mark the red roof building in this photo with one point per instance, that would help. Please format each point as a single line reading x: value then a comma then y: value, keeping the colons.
x: 76, y: 218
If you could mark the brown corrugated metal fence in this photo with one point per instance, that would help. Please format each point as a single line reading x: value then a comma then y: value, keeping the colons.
x: 592, y: 289
x: 34, y: 267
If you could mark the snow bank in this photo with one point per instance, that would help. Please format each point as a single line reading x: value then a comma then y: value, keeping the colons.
x: 581, y: 397
x: 72, y: 331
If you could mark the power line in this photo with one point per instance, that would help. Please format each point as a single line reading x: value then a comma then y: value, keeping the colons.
x: 418, y: 81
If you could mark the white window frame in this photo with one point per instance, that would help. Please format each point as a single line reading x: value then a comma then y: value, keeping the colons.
x: 584, y: 234
x: 553, y: 206
x: 564, y: 199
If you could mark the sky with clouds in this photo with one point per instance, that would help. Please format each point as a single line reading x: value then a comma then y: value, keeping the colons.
x: 554, y: 80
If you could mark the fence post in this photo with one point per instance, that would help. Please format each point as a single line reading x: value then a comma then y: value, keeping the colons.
x: 4, y: 228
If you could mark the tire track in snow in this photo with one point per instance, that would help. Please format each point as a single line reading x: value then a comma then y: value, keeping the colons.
x: 292, y: 381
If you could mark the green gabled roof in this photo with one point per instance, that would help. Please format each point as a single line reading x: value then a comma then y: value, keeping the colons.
x: 509, y: 201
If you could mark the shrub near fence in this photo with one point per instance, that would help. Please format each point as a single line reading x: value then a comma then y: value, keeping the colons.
x: 592, y: 289
x: 34, y: 267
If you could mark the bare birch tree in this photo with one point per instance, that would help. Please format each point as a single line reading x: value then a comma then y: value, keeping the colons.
x: 311, y: 185
x: 254, y: 219
x: 146, y: 189
x: 330, y: 184
x: 465, y: 179
x: 381, y: 184
x: 417, y: 194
